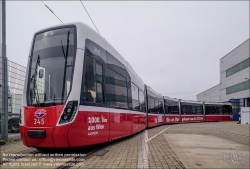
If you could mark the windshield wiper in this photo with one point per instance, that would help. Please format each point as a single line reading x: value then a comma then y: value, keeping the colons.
x: 50, y: 103
x: 35, y: 90
x: 65, y: 65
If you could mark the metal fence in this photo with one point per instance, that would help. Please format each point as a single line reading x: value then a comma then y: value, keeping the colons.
x: 16, y: 77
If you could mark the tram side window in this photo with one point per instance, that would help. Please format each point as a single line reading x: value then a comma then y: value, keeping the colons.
x: 166, y: 110
x: 117, y: 90
x: 161, y: 108
x: 152, y: 105
x: 196, y: 109
x: 213, y: 109
x: 92, y: 90
x: 176, y: 109
x: 219, y: 110
x: 193, y: 109
x: 172, y: 107
x: 226, y: 109
x: 135, y: 97
x: 156, y: 106
x: 142, y: 101
x: 169, y: 109
x: 199, y: 110
x: 186, y: 109
x: 99, y: 83
x: 208, y: 110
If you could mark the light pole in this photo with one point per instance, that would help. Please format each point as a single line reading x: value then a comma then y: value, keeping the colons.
x: 4, y: 82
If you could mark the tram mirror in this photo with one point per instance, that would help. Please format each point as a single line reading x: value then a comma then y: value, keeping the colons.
x: 41, y: 73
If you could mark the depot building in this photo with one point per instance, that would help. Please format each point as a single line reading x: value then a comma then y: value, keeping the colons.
x: 234, y: 84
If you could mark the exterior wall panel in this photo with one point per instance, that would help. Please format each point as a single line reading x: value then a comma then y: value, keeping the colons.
x: 236, y: 78
x: 238, y: 55
x: 210, y: 95
x: 218, y: 93
x: 237, y: 95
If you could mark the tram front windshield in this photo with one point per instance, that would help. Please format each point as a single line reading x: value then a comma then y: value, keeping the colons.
x: 51, y: 67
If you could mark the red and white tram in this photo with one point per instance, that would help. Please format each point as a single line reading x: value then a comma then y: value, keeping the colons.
x: 218, y: 111
x: 80, y: 91
x: 177, y: 110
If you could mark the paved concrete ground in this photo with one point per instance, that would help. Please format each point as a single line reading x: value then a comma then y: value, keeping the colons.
x: 199, y: 151
x: 211, y: 145
x: 238, y: 133
x: 143, y: 150
x: 13, y: 136
x: 191, y: 145
x: 13, y: 147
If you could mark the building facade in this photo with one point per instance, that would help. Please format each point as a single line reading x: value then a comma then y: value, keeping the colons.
x: 16, y: 77
x: 234, y: 84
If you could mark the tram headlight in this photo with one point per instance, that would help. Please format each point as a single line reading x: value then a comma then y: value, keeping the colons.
x: 65, y: 117
x: 69, y: 112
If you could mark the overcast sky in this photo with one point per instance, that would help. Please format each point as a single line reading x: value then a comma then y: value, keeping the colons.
x: 174, y: 47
